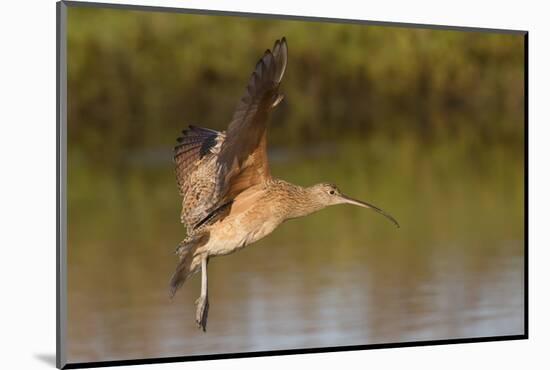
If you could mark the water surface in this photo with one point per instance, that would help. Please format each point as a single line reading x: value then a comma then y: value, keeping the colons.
x: 343, y: 276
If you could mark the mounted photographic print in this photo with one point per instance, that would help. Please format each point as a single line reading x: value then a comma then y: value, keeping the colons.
x: 235, y: 184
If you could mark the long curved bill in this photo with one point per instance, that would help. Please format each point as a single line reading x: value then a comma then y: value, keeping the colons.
x: 359, y: 203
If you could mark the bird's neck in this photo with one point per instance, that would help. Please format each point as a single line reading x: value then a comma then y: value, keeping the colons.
x: 301, y: 202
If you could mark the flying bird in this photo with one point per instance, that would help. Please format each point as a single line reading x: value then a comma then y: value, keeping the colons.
x: 230, y: 200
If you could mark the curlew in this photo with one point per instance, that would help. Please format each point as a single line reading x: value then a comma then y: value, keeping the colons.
x: 230, y: 199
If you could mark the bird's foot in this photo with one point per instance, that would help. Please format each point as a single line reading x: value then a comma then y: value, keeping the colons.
x: 202, y: 312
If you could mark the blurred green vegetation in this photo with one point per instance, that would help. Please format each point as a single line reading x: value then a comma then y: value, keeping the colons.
x: 137, y: 78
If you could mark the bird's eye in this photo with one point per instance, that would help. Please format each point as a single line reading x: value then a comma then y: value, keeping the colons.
x: 331, y: 192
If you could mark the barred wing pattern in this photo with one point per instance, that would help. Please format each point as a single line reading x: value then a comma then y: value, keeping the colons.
x: 196, y: 160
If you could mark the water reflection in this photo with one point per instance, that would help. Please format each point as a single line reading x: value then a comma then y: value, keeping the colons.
x: 266, y: 301
x: 343, y: 276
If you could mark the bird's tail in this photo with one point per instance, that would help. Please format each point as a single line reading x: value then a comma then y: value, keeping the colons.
x: 186, y: 252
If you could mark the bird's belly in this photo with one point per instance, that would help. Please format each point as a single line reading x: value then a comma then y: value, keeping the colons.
x: 233, y: 234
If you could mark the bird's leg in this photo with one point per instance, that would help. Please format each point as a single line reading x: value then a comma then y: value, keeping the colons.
x: 202, y: 302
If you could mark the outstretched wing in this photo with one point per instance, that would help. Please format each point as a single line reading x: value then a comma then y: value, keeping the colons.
x: 243, y: 159
x: 213, y: 167
x: 195, y: 156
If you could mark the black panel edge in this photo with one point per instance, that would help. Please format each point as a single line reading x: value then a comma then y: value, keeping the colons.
x: 161, y: 360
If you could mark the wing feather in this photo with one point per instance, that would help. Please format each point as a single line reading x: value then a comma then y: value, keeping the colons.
x: 243, y: 156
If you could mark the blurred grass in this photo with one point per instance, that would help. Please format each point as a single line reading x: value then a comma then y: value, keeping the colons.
x: 136, y: 78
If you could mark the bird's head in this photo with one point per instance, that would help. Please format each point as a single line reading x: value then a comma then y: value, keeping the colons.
x: 328, y: 195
